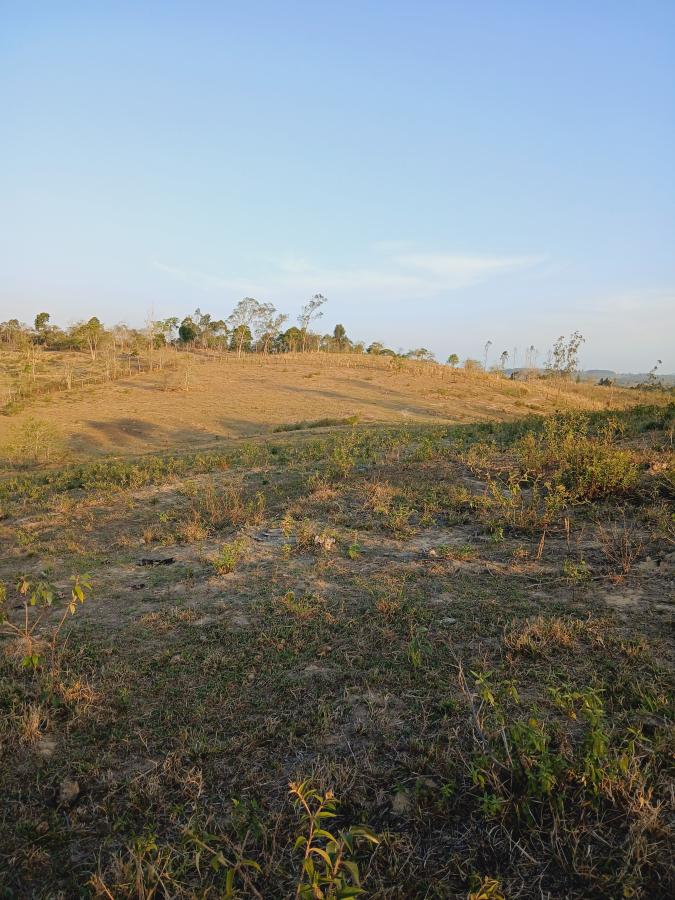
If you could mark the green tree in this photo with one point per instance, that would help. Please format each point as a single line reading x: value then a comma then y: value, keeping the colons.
x: 42, y: 322
x: 340, y: 340
x: 241, y: 339
x: 188, y: 331
x: 216, y: 333
x: 89, y: 334
x: 453, y: 360
x: 12, y: 333
x: 290, y: 340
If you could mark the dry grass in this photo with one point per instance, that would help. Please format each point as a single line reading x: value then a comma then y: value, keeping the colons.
x: 622, y: 545
x: 230, y: 398
x: 495, y: 715
x: 546, y: 637
x: 32, y: 722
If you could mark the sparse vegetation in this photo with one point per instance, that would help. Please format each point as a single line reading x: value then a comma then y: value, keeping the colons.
x: 319, y: 423
x: 228, y: 556
x: 460, y: 631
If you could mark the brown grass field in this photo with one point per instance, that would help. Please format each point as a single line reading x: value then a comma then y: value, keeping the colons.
x: 197, y: 399
x: 423, y: 649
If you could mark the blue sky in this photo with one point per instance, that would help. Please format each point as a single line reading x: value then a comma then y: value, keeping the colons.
x: 445, y: 173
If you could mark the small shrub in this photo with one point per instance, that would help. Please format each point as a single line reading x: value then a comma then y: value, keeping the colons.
x: 398, y: 520
x: 354, y: 550
x: 318, y: 423
x: 329, y: 867
x: 35, y: 443
x: 542, y: 637
x: 304, y: 608
x: 621, y: 546
x: 588, y: 466
x: 576, y: 571
x: 216, y: 508
x: 37, y: 599
x: 228, y: 556
x: 464, y: 552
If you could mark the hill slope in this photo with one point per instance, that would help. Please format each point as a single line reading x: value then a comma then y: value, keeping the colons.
x: 195, y: 400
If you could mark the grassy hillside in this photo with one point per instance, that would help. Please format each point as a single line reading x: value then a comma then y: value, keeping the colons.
x: 195, y: 400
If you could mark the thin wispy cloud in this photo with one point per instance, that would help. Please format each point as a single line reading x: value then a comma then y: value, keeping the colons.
x: 398, y: 273
x: 203, y: 280
x: 446, y: 266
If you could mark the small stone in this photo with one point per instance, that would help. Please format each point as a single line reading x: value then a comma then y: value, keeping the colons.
x: 69, y: 791
x: 401, y: 805
x: 325, y: 541
x: 447, y: 620
x: 46, y: 746
x: 175, y: 659
x: 441, y: 599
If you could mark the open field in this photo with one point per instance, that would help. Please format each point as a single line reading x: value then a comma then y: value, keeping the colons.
x: 195, y: 399
x: 337, y: 451
x: 458, y: 635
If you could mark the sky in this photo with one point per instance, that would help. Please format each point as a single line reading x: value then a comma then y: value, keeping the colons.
x: 445, y: 173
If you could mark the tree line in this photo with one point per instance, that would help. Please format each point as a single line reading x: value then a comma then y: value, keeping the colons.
x: 255, y: 327
x: 251, y: 327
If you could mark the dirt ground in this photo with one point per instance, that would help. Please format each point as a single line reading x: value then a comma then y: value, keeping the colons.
x: 478, y: 688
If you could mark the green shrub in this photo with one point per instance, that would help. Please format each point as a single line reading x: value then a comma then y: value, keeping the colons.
x: 589, y: 467
x: 229, y: 555
x: 318, y: 423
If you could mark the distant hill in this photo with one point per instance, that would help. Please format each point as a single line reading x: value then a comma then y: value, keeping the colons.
x: 626, y: 379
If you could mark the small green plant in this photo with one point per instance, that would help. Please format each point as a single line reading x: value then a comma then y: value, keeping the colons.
x: 329, y: 866
x: 485, y: 888
x: 354, y: 550
x: 576, y: 571
x: 221, y: 859
x: 464, y: 552
x: 37, y: 599
x: 416, y: 646
x: 398, y: 519
x: 345, y: 453
x: 229, y: 555
x: 303, y: 607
